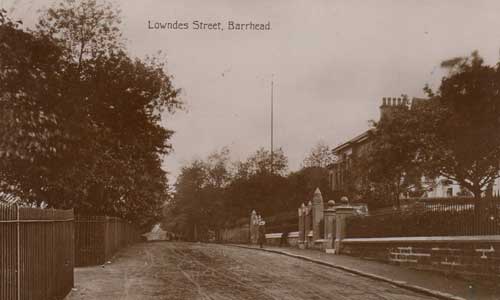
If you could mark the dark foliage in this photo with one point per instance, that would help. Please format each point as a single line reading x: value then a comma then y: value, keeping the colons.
x: 81, y: 126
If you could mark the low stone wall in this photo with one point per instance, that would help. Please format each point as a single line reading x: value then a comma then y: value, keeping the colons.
x: 273, y: 239
x: 467, y: 255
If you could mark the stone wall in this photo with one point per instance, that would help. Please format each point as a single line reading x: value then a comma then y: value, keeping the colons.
x: 477, y: 255
x: 273, y: 239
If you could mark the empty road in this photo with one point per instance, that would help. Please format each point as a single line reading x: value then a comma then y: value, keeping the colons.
x: 176, y: 270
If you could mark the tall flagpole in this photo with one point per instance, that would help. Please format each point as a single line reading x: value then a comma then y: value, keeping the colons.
x: 272, y: 124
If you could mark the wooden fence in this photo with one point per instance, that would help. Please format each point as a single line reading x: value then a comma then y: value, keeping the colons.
x: 97, y: 238
x: 37, y: 253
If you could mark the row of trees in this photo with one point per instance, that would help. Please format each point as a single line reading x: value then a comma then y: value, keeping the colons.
x: 214, y: 192
x: 80, y: 119
x: 454, y: 135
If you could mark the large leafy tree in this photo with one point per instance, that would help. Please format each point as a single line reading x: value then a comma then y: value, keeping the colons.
x: 391, y: 167
x: 462, y: 124
x: 82, y: 120
x: 320, y: 155
x: 89, y: 28
x: 123, y: 139
x: 214, y: 192
x: 198, y: 203
x: 263, y: 161
x: 184, y: 213
x: 452, y: 134
x: 33, y: 81
x: 259, y: 183
x: 265, y: 192
x: 303, y: 183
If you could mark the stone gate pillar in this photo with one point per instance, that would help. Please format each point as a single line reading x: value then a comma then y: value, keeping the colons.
x: 301, y: 211
x: 308, y: 223
x: 254, y: 227
x: 301, y: 223
x: 342, y: 212
x: 317, y: 214
x: 329, y: 217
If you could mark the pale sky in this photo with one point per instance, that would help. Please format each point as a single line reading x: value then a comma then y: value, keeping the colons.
x: 332, y: 61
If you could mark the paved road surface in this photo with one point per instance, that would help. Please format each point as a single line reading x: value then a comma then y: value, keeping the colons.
x: 168, y: 270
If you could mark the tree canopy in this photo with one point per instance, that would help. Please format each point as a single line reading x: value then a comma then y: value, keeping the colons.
x: 463, y: 124
x: 82, y: 120
x: 214, y: 192
x: 453, y: 134
x: 320, y: 155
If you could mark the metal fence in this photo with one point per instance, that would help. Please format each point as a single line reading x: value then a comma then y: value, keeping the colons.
x: 430, y: 217
x: 37, y: 253
x: 98, y: 238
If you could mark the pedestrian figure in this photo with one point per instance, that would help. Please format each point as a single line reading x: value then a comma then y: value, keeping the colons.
x: 262, y: 233
x: 284, y: 238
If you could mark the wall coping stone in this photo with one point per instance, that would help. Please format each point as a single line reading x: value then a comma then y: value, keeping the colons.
x: 427, y: 239
x: 277, y: 235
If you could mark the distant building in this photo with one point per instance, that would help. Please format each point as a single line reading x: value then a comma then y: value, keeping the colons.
x: 442, y: 187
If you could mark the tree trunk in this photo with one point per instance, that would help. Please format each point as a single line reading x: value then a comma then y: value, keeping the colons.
x: 477, y: 196
x: 398, y: 203
x: 478, y: 209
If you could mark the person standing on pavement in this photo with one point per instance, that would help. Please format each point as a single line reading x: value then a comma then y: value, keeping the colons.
x: 262, y: 233
x: 284, y: 238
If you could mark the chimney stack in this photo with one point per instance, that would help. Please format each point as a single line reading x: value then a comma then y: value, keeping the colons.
x: 389, y: 104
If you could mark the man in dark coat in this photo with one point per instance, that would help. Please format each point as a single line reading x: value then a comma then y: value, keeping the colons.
x: 284, y: 238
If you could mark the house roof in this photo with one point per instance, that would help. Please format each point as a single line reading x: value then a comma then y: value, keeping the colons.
x: 417, y: 101
x: 357, y: 139
x: 365, y: 135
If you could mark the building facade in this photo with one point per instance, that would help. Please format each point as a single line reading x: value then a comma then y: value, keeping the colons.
x: 341, y: 178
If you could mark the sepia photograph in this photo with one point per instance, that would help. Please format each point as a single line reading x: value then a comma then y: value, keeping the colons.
x: 231, y: 150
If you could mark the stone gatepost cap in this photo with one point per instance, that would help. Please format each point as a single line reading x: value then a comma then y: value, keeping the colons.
x: 331, y: 203
x: 344, y: 200
x: 317, y: 197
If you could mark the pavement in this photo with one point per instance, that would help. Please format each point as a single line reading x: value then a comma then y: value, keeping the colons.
x: 198, y: 271
x: 435, y: 284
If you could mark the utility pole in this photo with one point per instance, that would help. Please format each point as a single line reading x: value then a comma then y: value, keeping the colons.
x: 272, y: 124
